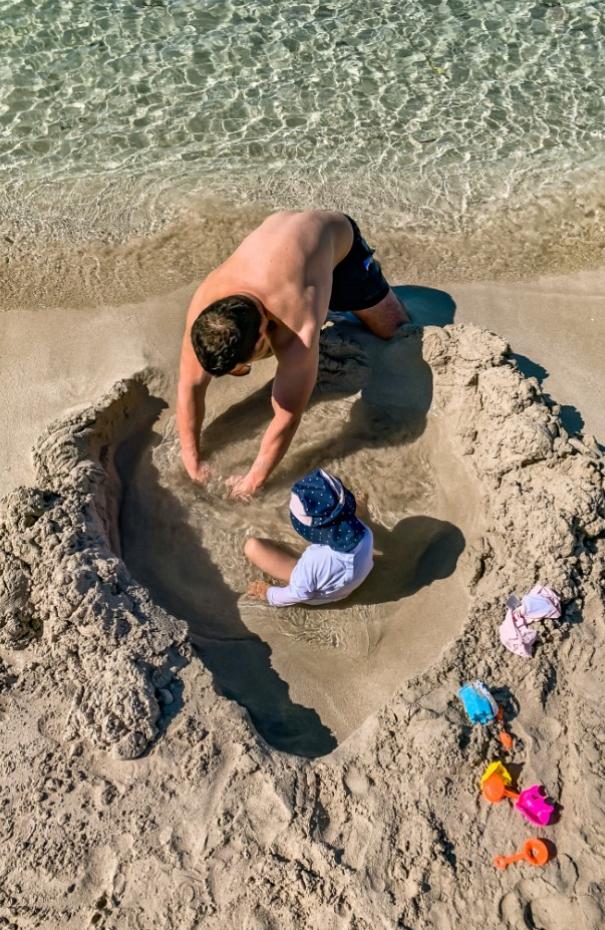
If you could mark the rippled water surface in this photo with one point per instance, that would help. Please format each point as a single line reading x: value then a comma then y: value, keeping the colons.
x: 424, y: 112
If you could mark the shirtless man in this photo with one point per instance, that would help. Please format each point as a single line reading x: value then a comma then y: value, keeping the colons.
x: 272, y: 296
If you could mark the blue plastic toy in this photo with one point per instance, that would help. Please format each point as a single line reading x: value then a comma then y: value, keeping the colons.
x: 478, y: 702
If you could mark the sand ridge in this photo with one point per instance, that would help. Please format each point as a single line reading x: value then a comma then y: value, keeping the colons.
x: 209, y: 826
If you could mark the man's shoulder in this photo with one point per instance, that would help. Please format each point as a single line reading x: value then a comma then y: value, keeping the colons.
x: 293, y: 340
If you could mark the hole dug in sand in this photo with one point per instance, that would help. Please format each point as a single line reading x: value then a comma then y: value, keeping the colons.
x: 309, y: 677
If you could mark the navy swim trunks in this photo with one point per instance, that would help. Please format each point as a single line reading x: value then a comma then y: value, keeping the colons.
x: 357, y: 281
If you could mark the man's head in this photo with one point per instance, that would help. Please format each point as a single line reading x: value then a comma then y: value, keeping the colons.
x: 228, y: 332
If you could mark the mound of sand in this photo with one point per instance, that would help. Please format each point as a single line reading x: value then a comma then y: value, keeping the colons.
x: 137, y: 796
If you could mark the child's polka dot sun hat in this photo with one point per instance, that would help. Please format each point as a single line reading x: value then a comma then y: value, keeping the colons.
x: 322, y: 511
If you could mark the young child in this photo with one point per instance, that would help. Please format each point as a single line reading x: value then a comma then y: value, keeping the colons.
x: 339, y: 558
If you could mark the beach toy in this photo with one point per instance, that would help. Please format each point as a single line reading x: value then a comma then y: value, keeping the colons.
x: 506, y: 740
x: 533, y: 802
x: 497, y: 768
x: 494, y: 783
x: 534, y: 851
x: 504, y: 737
x: 478, y: 702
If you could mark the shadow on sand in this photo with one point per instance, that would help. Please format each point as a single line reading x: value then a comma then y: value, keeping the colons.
x: 570, y: 416
x: 416, y: 552
x: 396, y: 392
x: 166, y: 555
x: 426, y: 306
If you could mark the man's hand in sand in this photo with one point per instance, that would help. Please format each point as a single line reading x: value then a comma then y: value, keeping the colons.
x: 200, y: 472
x: 242, y: 487
x: 258, y: 589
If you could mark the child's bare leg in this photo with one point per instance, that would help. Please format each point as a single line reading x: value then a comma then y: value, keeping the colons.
x: 270, y: 558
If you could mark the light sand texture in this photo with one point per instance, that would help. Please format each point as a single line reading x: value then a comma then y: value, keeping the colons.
x: 136, y: 797
x: 55, y: 360
x: 557, y: 323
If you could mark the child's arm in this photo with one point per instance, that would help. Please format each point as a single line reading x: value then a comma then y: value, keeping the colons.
x: 277, y: 595
x: 301, y: 588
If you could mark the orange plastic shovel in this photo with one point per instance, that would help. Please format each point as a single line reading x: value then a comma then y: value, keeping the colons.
x: 534, y: 851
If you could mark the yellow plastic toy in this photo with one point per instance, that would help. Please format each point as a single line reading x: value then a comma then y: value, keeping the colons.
x: 496, y: 768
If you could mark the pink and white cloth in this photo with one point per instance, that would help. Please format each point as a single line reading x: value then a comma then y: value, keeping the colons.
x: 540, y: 604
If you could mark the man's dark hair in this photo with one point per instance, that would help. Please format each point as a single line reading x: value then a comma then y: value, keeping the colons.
x: 225, y: 333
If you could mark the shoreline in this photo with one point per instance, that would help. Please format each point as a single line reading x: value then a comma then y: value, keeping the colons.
x: 112, y: 247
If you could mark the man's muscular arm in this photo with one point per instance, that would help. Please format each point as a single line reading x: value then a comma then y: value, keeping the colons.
x: 294, y: 381
x: 190, y: 409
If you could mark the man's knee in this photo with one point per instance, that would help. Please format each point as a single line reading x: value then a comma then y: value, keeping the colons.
x: 385, y: 318
x: 403, y: 314
x: 395, y: 310
x: 393, y: 316
x: 385, y: 322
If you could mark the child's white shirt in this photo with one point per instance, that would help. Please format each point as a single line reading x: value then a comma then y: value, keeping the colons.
x: 322, y: 574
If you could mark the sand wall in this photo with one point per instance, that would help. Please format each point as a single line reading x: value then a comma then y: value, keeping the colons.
x: 137, y: 796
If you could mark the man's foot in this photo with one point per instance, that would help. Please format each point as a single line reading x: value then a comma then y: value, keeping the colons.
x: 384, y: 318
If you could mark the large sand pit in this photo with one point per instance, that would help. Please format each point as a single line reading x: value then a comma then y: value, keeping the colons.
x: 136, y: 789
x: 309, y: 677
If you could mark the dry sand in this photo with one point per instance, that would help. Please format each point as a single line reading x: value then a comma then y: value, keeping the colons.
x: 135, y: 795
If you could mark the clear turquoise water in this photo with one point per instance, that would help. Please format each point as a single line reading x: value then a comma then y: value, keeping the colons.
x: 428, y: 114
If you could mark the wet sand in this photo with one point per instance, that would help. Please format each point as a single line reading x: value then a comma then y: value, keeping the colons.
x: 557, y: 332
x: 310, y: 677
x: 55, y: 360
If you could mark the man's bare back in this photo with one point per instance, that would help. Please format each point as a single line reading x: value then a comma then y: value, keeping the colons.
x: 287, y: 263
x: 284, y: 275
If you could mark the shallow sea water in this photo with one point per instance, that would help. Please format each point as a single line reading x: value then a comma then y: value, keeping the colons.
x: 433, y: 117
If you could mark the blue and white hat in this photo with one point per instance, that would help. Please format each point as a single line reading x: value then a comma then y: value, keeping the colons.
x: 322, y: 511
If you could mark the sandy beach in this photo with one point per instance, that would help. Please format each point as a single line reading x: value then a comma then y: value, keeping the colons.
x: 176, y: 755
x: 556, y: 323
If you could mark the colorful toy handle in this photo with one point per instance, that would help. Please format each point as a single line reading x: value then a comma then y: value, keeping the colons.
x: 534, y: 851
x: 501, y: 862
